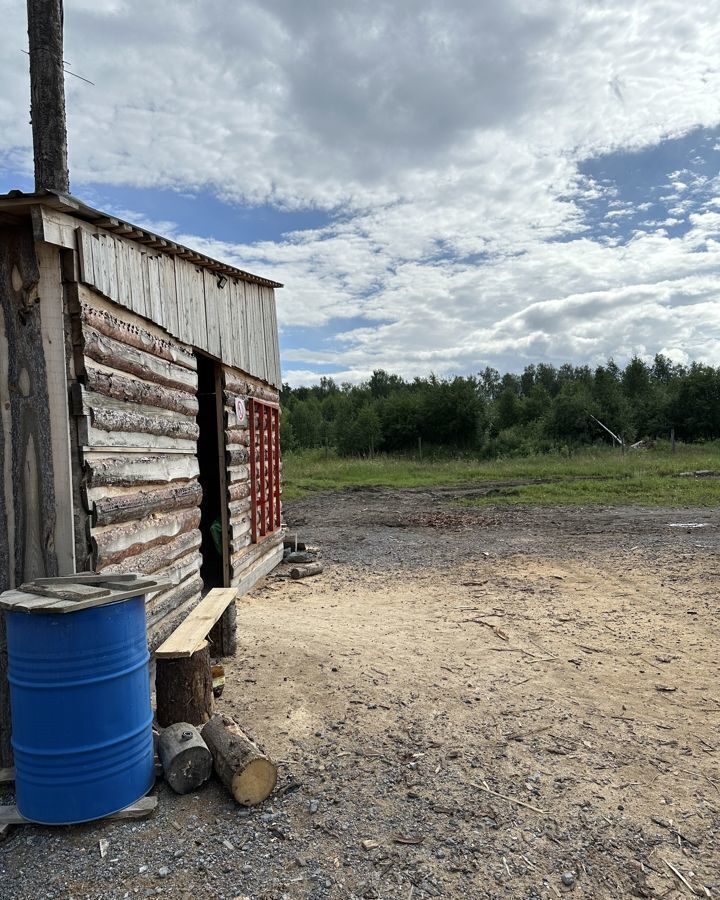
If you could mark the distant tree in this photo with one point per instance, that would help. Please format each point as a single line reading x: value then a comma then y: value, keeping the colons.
x: 307, y: 423
x: 696, y: 407
x: 610, y: 402
x: 507, y: 410
x: 569, y: 419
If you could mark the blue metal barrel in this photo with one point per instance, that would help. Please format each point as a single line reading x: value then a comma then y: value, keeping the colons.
x: 81, y: 713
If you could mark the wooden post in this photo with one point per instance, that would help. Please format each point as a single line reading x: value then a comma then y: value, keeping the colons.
x: 47, y: 93
x: 672, y: 440
x: 223, y: 634
x: 184, y: 688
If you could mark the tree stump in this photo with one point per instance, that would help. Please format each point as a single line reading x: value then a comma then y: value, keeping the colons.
x: 223, y: 634
x: 239, y: 763
x: 185, y: 758
x: 184, y: 688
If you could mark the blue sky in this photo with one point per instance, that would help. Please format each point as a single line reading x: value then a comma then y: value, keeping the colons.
x: 441, y: 186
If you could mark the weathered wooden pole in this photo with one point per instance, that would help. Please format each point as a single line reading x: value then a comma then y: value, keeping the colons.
x: 47, y: 95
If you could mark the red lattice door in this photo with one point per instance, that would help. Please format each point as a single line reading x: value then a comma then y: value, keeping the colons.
x: 264, y: 421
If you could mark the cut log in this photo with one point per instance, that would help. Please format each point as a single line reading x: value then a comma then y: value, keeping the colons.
x: 185, y: 758
x: 184, y: 689
x: 306, y: 571
x: 223, y: 634
x: 239, y: 763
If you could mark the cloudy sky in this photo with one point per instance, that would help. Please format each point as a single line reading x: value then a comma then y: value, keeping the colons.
x: 441, y: 184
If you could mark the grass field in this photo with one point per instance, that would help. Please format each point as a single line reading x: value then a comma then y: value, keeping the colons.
x: 595, y: 476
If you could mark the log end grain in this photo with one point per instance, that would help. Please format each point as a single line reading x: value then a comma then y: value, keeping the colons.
x: 255, y: 783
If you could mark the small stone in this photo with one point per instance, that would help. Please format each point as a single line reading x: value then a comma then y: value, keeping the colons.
x: 568, y: 879
x: 314, y: 806
x: 142, y: 869
x: 163, y: 872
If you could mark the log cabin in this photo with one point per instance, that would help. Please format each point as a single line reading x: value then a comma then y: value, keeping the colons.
x: 139, y: 417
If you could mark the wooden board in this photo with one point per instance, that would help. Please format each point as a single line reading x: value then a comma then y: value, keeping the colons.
x: 19, y: 601
x: 141, y: 809
x: 190, y: 634
x: 7, y: 776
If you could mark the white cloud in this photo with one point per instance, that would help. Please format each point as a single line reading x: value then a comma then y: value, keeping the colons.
x: 446, y: 134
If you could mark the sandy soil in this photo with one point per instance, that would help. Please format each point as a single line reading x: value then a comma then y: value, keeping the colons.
x: 483, y: 703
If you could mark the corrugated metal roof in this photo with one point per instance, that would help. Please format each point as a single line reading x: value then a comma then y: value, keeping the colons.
x: 16, y: 204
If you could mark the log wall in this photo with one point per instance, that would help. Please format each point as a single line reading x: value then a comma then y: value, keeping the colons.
x: 135, y: 403
x: 236, y: 323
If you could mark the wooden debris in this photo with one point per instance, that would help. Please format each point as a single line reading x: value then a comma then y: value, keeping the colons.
x: 239, y: 763
x: 186, y: 760
x: 496, y: 630
x: 678, y: 874
x: 488, y: 790
x: 141, y: 809
x: 407, y: 839
x: 7, y: 776
x: 305, y: 571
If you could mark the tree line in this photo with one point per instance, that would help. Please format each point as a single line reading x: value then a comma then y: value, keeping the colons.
x: 543, y: 409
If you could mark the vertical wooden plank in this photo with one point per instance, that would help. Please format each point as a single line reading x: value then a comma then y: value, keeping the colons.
x: 169, y: 295
x: 224, y: 512
x: 197, y: 291
x: 278, y: 450
x: 276, y: 379
x: 99, y: 274
x: 53, y: 339
x: 261, y: 447
x: 185, y: 329
x: 256, y: 340
x: 213, y: 298
x: 85, y: 258
x: 253, y: 468
x: 137, y: 281
x: 154, y: 295
x: 225, y: 323
x: 123, y: 277
x: 237, y: 354
x: 271, y: 472
x: 107, y: 244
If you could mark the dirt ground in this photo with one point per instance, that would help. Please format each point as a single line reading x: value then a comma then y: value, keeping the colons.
x: 483, y: 703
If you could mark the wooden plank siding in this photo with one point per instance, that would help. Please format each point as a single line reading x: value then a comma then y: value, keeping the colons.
x: 135, y: 404
x: 236, y: 323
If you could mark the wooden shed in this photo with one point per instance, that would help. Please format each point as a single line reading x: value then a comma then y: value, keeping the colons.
x: 139, y: 418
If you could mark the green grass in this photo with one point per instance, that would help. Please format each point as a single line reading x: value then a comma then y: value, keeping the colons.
x: 593, y: 476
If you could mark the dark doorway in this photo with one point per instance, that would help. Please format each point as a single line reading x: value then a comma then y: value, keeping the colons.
x: 213, y: 517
